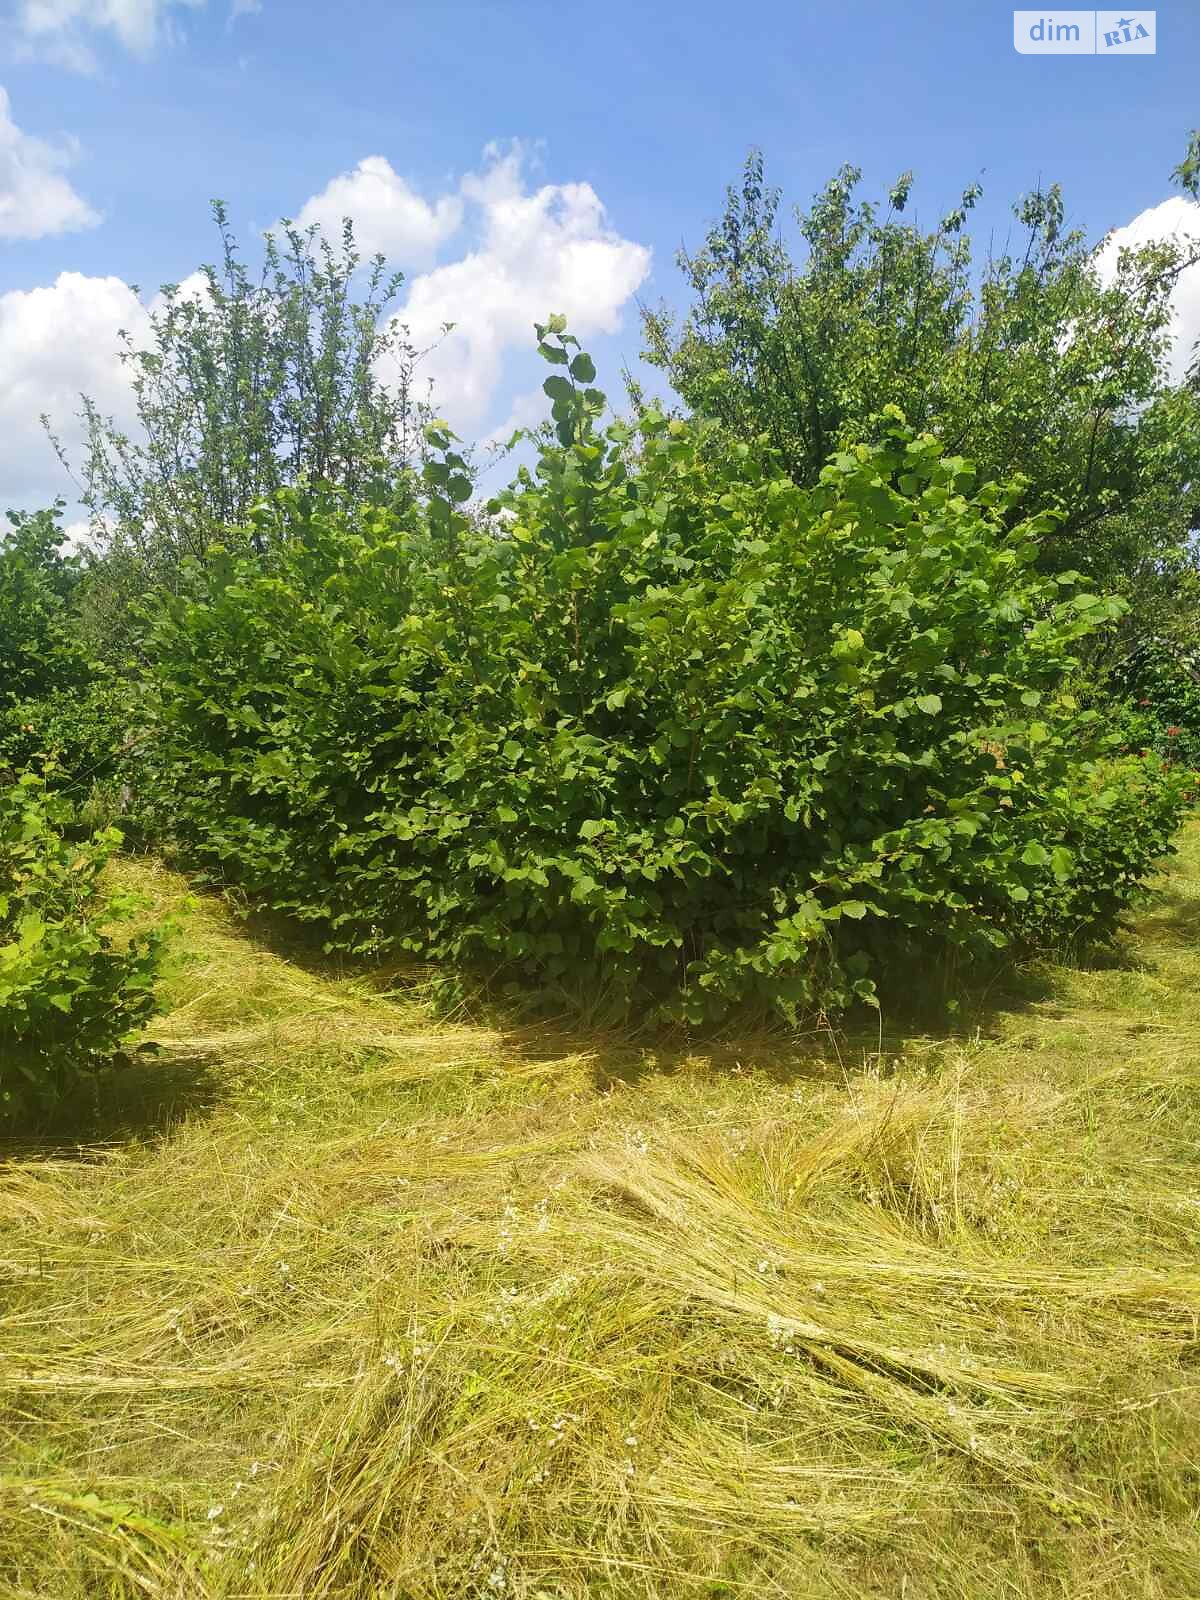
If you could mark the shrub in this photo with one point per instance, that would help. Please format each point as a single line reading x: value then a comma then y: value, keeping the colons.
x: 70, y: 994
x: 1116, y: 817
x: 662, y: 729
x: 60, y: 712
x: 38, y: 654
x: 1157, y: 688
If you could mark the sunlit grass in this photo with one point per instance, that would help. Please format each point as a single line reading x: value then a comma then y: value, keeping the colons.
x: 345, y: 1300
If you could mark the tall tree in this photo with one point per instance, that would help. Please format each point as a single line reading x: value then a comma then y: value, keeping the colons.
x: 1031, y: 362
x: 251, y: 383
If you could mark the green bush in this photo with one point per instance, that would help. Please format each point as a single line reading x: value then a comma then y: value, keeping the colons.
x: 38, y: 655
x: 60, y: 712
x: 662, y: 729
x: 1116, y: 818
x: 1157, y: 689
x: 70, y: 994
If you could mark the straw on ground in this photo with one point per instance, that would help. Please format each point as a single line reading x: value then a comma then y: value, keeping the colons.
x: 353, y: 1302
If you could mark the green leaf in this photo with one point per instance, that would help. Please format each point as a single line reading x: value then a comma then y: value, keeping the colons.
x: 1035, y: 854
x: 930, y: 704
x: 582, y: 368
x: 1062, y: 862
x: 591, y: 829
x: 558, y: 388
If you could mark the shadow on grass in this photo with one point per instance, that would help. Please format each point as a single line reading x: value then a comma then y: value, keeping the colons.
x: 924, y: 1017
x: 1172, y: 917
x: 141, y: 1099
x: 929, y: 1009
x: 302, y: 945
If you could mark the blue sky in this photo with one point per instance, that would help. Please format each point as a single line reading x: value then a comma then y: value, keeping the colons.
x: 124, y: 117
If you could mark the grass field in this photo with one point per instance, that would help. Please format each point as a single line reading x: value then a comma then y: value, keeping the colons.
x: 346, y: 1300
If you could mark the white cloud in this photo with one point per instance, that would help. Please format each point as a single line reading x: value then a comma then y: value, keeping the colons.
x: 77, y: 536
x: 194, y: 287
x: 389, y: 215
x: 61, y: 30
x: 35, y: 199
x: 525, y: 410
x: 1179, y: 219
x: 540, y: 251
x: 244, y: 8
x: 536, y: 251
x: 56, y: 342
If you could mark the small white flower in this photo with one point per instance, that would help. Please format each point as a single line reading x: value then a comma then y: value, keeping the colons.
x: 214, y: 1512
x: 781, y: 1333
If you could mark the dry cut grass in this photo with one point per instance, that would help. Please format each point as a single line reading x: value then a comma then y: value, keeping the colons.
x: 345, y: 1301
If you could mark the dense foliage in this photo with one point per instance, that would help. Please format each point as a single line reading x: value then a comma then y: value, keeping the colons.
x: 881, y: 654
x: 70, y: 992
x: 1033, y: 361
x: 665, y: 728
x: 1156, y: 690
x: 60, y: 711
x: 38, y: 649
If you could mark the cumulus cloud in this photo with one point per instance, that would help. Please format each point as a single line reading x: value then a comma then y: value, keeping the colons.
x: 1178, y: 219
x: 62, y: 30
x: 56, y: 342
x: 540, y: 251
x: 531, y: 251
x: 525, y: 410
x: 389, y: 215
x: 35, y: 198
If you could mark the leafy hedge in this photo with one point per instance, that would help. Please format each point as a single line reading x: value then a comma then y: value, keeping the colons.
x: 70, y: 994
x: 60, y: 712
x: 661, y: 729
x: 1156, y: 690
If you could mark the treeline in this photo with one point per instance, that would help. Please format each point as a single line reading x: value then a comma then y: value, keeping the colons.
x: 874, y: 651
